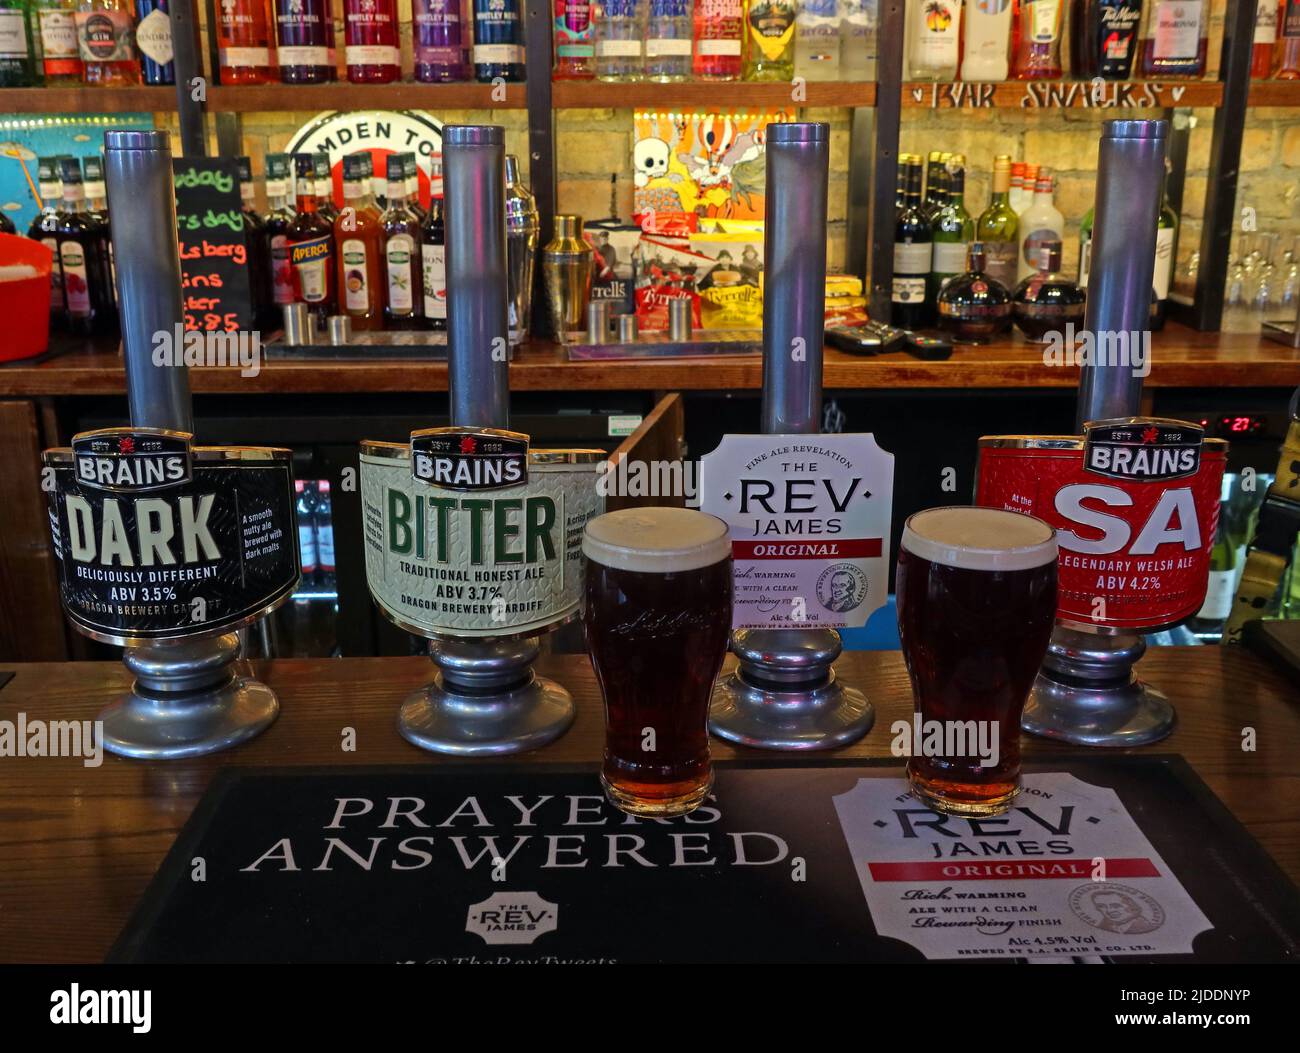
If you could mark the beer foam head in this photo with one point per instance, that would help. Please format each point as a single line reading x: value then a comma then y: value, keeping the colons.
x: 975, y: 538
x: 656, y: 540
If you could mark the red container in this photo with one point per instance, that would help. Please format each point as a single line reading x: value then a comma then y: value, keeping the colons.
x: 24, y: 303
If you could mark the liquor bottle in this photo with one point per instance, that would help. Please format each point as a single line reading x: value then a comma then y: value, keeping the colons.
x: 575, y: 50
x: 370, y: 45
x: 411, y: 170
x: 498, y: 41
x: 909, y: 308
x: 305, y: 505
x: 359, y: 247
x: 1045, y: 301
x: 304, y: 41
x: 20, y: 57
x: 933, y: 33
x: 106, y: 40
x: 952, y: 229
x: 668, y: 41
x: 858, y: 22
x: 769, y: 39
x: 324, y: 185
x: 258, y: 248
x: 1177, y: 38
x: 1103, y: 38
x: 1085, y: 248
x: 92, y: 170
x: 1261, y: 49
x: 83, y: 254
x: 244, y: 42
x: 61, y: 56
x: 971, y: 306
x: 620, y: 39
x: 278, y: 221
x: 404, y: 303
x: 987, y: 44
x: 1038, y: 50
x: 817, y: 40
x: 998, y: 227
x: 324, y: 520
x: 310, y: 239
x: 433, y: 266
x: 45, y: 228
x: 442, y: 35
x: 1287, y: 62
x: 1022, y: 196
x: 153, y: 38
x: 719, y: 29
x: 932, y: 198
x: 1209, y: 621
x: 1041, y: 226
x: 1166, y: 235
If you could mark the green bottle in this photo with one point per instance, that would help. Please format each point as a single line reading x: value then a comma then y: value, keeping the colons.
x: 20, y: 65
x: 769, y: 39
x: 952, y: 229
x: 999, y: 228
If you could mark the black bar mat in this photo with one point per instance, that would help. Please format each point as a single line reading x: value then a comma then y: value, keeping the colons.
x: 497, y: 863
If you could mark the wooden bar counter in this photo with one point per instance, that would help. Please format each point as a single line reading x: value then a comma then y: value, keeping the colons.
x: 78, y: 845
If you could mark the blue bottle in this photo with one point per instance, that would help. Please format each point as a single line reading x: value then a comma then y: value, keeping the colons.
x: 153, y: 36
x: 498, y: 40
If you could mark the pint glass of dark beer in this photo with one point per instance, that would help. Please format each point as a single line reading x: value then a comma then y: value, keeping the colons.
x: 657, y: 615
x: 976, y: 594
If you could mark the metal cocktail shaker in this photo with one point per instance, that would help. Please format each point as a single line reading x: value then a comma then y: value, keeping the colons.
x: 566, y: 266
x: 522, y: 226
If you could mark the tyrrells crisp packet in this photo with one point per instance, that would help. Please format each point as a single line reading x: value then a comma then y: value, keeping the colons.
x: 613, y: 272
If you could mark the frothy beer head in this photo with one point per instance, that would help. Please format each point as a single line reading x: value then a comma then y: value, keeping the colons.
x: 657, y: 540
x: 986, y: 539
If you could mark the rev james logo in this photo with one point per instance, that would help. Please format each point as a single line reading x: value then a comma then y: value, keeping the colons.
x: 512, y: 918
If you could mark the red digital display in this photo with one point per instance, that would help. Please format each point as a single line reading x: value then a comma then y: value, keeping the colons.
x: 1240, y: 424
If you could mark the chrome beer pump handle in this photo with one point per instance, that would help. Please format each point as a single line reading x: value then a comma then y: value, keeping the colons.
x: 784, y: 694
x: 187, y: 698
x: 486, y: 699
x: 1087, y: 693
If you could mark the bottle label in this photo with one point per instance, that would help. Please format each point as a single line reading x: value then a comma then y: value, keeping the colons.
x: 105, y: 36
x: 13, y: 35
x: 303, y: 56
x: 153, y: 36
x: 665, y: 46
x: 1178, y: 28
x: 1044, y: 20
x: 573, y: 29
x: 907, y: 290
x: 717, y: 47
x: 76, y: 283
x: 356, y: 287
x: 310, y: 261
x: 401, y: 248
x: 1164, y: 262
x: 371, y: 55
x: 435, y: 281
x: 243, y: 58
x: 1266, y: 22
x: 771, y: 26
x: 1000, y: 262
x: 1085, y: 262
x: 949, y: 257
x: 306, y: 542
x: 281, y: 269
x: 325, y: 548
x: 56, y: 275
x: 619, y: 48
x: 498, y: 54
x: 1037, y: 240
x: 1219, y: 592
x: 59, y: 42
x: 937, y: 34
x: 1290, y: 19
x: 911, y: 257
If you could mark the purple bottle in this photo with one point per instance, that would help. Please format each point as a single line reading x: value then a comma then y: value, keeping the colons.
x: 442, y: 34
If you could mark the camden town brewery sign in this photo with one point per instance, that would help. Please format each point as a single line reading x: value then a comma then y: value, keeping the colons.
x: 1135, y: 504
x: 468, y: 532
x: 156, y: 539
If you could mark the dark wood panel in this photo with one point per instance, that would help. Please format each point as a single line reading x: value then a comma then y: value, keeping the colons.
x: 82, y: 843
x: 1181, y: 358
x: 341, y: 95
x: 31, y: 619
x: 82, y: 98
x: 578, y: 94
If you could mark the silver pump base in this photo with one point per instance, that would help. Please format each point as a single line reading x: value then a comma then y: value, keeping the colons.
x: 784, y: 694
x: 485, y: 701
x: 1087, y: 693
x: 187, y: 701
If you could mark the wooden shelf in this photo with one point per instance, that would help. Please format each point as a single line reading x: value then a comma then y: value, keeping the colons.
x: 1061, y: 94
x: 263, y: 98
x: 1274, y: 93
x: 82, y: 98
x: 1181, y: 358
x: 600, y: 95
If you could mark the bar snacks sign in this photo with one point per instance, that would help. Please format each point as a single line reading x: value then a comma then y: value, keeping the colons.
x: 469, y: 533
x: 158, y: 540
x: 1135, y: 503
x: 809, y: 518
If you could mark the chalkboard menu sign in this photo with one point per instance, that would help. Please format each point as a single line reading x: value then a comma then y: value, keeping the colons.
x: 1103, y: 859
x: 214, y: 245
